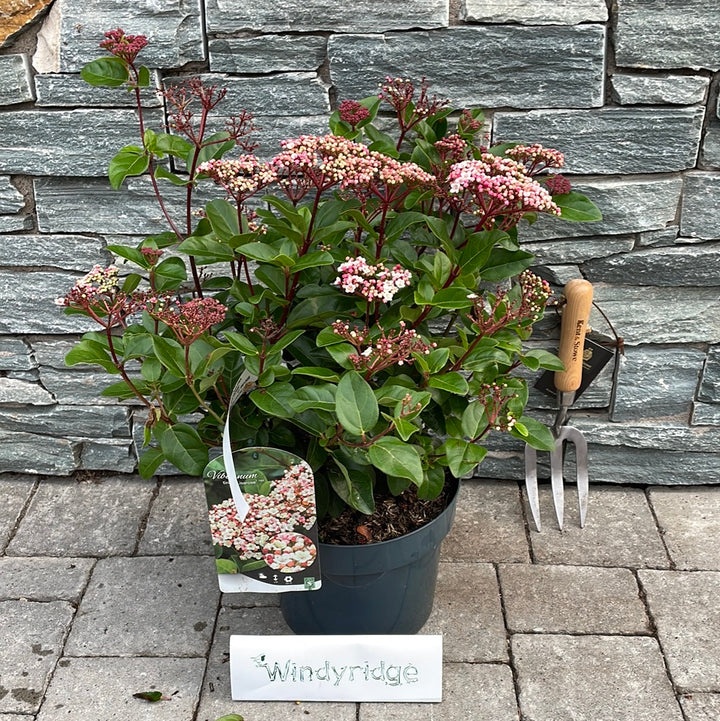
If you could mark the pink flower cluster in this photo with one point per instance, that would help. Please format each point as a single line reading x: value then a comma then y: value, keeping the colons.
x: 400, y: 94
x: 372, y: 282
x: 242, y: 177
x: 393, y: 348
x: 99, y: 295
x: 495, y: 398
x: 321, y: 162
x: 493, y: 186
x: 124, y: 46
x: 535, y: 294
x: 97, y: 282
x: 536, y: 157
x: 188, y: 321
x: 353, y: 112
x: 289, y: 505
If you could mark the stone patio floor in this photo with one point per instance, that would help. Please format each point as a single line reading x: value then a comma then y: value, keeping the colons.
x: 107, y: 588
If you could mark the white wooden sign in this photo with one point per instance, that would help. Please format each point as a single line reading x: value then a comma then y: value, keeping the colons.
x: 336, y: 668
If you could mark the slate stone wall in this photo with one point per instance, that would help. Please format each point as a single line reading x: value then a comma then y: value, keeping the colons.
x: 628, y: 90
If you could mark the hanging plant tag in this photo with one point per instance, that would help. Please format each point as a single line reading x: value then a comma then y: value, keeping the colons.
x: 271, y: 545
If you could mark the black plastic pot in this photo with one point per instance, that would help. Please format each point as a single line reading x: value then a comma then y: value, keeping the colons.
x: 378, y: 588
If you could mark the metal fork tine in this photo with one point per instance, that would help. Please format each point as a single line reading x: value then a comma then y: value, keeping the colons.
x: 531, y: 484
x: 556, y: 480
x: 581, y: 463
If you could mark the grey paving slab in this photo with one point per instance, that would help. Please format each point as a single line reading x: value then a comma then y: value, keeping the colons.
x: 684, y: 605
x: 216, y: 700
x: 101, y: 689
x: 250, y: 600
x: 619, y: 531
x: 31, y: 638
x: 147, y: 606
x: 699, y: 706
x: 15, y: 492
x: 468, y: 614
x: 43, y: 579
x: 488, y: 524
x: 572, y: 599
x: 83, y: 519
x: 178, y: 521
x: 593, y: 678
x: 15, y: 717
x: 481, y: 692
x: 690, y: 522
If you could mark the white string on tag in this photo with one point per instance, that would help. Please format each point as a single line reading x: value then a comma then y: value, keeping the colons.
x: 245, y: 383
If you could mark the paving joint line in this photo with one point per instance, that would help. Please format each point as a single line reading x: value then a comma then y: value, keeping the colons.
x: 142, y: 526
x: 656, y: 636
x: 218, y: 609
x: 508, y: 644
x: 22, y: 514
x: 660, y: 529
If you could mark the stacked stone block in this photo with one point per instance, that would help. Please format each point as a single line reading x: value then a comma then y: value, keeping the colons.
x: 629, y: 94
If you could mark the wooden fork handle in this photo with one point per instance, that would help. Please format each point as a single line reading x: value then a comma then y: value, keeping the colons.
x: 574, y: 325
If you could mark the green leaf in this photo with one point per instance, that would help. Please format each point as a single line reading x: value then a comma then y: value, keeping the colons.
x: 170, y: 273
x: 477, y: 250
x: 504, y: 263
x: 207, y: 250
x: 151, y: 696
x: 127, y: 162
x: 93, y: 352
x: 231, y: 717
x: 143, y: 77
x: 395, y: 458
x: 106, y: 72
x: 241, y: 342
x: 453, y: 382
x: 452, y: 298
x: 275, y: 400
x: 534, y: 433
x: 223, y: 218
x: 474, y: 420
x: 353, y: 486
x: 575, y: 207
x: 313, y: 260
x: 161, y: 172
x: 129, y: 253
x: 122, y: 390
x: 316, y: 372
x: 150, y: 461
x: 183, y: 447
x: 171, y: 354
x: 462, y: 456
x: 355, y: 404
x: 544, y: 359
x: 171, y: 144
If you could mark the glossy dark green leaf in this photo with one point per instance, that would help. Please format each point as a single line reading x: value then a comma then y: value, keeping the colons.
x: 151, y: 459
x: 126, y: 163
x: 183, y: 447
x: 355, y: 404
x: 105, y: 72
x: 395, y: 458
x: 576, y: 207
x: 462, y: 456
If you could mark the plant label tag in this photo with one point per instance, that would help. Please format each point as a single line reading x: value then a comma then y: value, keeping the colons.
x: 336, y: 668
x: 273, y: 546
x: 595, y: 358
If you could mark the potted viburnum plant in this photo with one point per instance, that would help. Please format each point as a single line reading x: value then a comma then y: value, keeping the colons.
x: 370, y: 285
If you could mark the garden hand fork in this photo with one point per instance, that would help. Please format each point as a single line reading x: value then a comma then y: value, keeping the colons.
x: 578, y: 294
